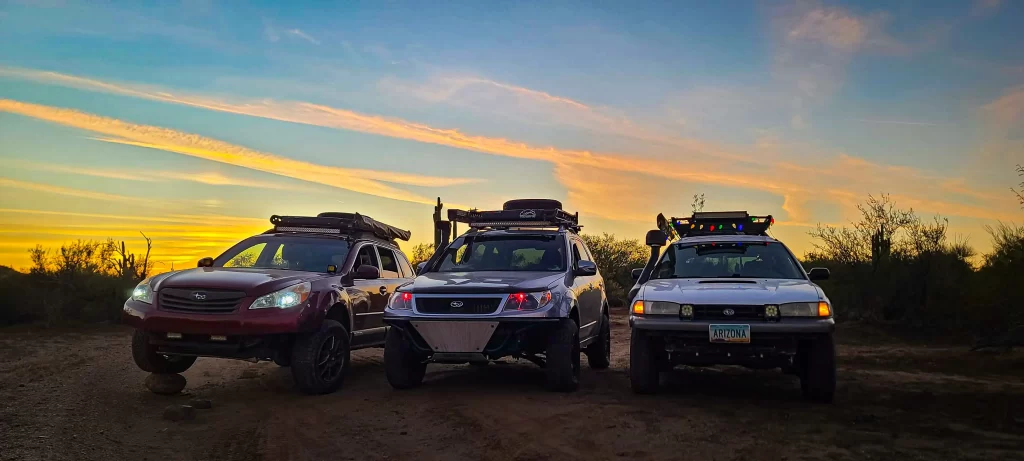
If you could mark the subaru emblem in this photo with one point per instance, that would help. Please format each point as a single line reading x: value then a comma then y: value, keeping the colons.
x: 528, y: 214
x: 199, y: 296
x: 457, y: 304
x: 728, y: 312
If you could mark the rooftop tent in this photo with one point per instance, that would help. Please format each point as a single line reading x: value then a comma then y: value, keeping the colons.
x: 338, y: 223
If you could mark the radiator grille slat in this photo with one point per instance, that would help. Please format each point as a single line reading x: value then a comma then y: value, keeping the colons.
x: 199, y: 300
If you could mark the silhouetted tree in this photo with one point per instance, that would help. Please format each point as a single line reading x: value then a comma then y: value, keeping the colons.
x: 616, y: 259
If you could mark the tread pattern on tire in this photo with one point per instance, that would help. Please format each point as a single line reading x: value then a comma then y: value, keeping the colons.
x: 304, y: 356
x: 599, y: 353
x: 403, y: 369
x: 148, y: 359
x: 818, y: 378
x: 563, y: 355
x: 643, y: 363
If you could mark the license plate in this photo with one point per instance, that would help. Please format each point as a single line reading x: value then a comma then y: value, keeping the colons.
x: 729, y: 333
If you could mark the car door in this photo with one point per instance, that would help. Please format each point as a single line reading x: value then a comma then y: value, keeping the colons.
x: 586, y: 287
x: 367, y: 324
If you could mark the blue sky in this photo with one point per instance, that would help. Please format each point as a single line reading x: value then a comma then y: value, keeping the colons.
x: 210, y: 109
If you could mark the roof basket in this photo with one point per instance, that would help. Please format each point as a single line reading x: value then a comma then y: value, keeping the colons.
x: 720, y: 223
x: 338, y: 223
x: 519, y: 213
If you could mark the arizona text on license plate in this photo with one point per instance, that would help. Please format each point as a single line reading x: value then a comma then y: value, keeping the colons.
x: 729, y: 333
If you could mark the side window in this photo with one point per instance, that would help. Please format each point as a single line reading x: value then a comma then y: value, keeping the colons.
x: 585, y: 251
x: 403, y: 263
x: 388, y: 263
x: 248, y: 257
x: 579, y: 253
x: 366, y: 255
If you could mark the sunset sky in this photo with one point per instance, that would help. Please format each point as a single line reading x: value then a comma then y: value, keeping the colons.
x: 194, y: 121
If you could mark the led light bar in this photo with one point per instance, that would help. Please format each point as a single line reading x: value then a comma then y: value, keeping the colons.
x: 312, y: 230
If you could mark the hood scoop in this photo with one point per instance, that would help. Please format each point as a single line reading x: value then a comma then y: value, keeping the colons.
x: 727, y: 281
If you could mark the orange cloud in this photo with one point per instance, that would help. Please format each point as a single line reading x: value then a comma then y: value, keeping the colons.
x: 66, y: 191
x: 824, y: 176
x: 120, y: 132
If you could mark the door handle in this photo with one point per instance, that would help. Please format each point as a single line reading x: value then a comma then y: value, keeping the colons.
x: 383, y: 290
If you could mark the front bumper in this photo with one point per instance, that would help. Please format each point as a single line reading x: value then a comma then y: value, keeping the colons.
x: 489, y: 337
x: 240, y: 322
x: 786, y: 326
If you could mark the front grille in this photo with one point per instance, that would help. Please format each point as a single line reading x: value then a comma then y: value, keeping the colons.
x: 200, y: 300
x: 469, y: 306
x: 717, y: 312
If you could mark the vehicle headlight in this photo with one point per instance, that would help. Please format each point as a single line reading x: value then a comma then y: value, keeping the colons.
x: 283, y: 299
x: 401, y: 300
x: 143, y: 293
x: 527, y: 301
x: 657, y: 308
x: 815, y: 309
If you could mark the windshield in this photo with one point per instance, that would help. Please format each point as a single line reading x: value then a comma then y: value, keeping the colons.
x: 312, y: 254
x: 505, y: 253
x: 728, y: 259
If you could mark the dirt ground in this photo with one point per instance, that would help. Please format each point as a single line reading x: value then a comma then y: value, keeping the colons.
x: 78, y: 396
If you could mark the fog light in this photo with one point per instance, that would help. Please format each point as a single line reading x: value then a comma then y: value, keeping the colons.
x: 686, y: 311
x: 771, y: 311
x: 173, y: 335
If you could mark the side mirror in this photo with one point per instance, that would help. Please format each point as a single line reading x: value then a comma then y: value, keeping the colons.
x: 420, y: 266
x: 206, y: 262
x: 635, y: 273
x: 818, y: 273
x: 656, y: 238
x: 367, y: 272
x: 585, y: 268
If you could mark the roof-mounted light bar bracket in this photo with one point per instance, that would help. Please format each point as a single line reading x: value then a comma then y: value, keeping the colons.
x: 526, y: 218
x: 722, y: 223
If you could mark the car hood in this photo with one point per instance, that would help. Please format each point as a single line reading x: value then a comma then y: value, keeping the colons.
x: 254, y: 282
x: 483, y: 282
x: 731, y: 291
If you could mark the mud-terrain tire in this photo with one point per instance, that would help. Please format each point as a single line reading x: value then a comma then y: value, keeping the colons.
x: 320, y: 359
x: 818, y: 377
x: 148, y: 359
x: 403, y: 367
x: 643, y: 363
x: 599, y: 353
x: 562, y: 368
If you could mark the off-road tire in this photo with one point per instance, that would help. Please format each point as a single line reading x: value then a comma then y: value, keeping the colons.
x: 562, y: 366
x: 599, y: 353
x: 643, y: 363
x: 818, y: 376
x: 148, y: 359
x: 403, y: 367
x: 316, y: 357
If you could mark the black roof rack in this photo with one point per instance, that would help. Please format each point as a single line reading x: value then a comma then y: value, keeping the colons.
x: 718, y: 223
x: 520, y: 213
x: 338, y: 223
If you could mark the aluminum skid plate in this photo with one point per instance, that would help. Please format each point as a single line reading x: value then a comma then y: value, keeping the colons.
x: 455, y: 336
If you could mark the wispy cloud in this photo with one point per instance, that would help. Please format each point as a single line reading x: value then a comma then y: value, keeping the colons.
x: 203, y: 177
x: 300, y: 34
x: 893, y: 122
x: 693, y: 161
x: 120, y: 132
x: 65, y: 191
x: 985, y: 7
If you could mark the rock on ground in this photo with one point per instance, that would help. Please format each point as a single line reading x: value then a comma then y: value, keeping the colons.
x: 179, y: 413
x: 200, y: 404
x: 165, y: 384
